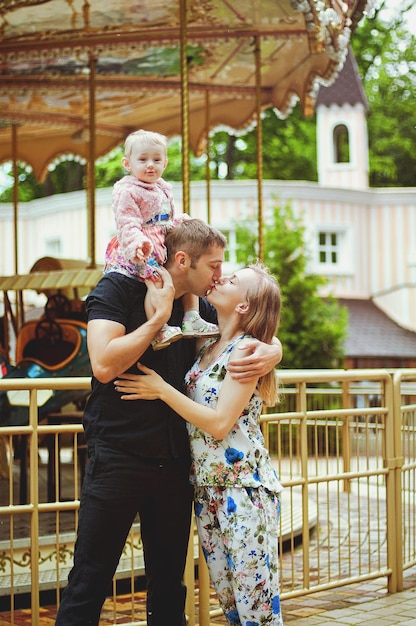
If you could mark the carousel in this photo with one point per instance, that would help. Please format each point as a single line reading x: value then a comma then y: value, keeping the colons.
x: 78, y: 75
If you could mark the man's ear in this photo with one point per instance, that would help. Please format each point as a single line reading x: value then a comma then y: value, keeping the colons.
x: 242, y: 308
x: 182, y: 259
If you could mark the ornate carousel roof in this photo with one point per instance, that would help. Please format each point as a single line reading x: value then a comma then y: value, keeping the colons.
x: 70, y: 68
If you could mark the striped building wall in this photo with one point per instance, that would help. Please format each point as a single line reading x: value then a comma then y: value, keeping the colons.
x: 375, y: 231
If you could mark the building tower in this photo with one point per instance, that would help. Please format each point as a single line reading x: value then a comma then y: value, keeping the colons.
x: 342, y: 139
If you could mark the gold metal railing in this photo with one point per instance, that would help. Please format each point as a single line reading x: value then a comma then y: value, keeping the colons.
x: 343, y: 443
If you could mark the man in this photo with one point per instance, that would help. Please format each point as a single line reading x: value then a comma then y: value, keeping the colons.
x: 138, y: 451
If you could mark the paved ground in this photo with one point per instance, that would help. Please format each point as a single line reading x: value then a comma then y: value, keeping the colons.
x: 347, y: 606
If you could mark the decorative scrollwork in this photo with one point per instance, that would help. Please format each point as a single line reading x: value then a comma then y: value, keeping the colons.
x: 5, y: 558
x: 11, y: 5
x: 63, y: 556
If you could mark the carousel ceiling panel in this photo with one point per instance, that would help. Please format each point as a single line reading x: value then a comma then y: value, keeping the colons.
x: 59, y: 56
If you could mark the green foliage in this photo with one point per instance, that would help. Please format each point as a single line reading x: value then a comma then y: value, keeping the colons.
x: 386, y: 56
x: 28, y: 188
x: 312, y: 329
x: 289, y: 150
x: 109, y: 170
x: 173, y: 171
x: 66, y: 176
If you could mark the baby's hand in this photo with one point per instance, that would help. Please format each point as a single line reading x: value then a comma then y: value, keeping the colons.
x: 147, y: 249
x: 139, y: 258
x: 143, y: 252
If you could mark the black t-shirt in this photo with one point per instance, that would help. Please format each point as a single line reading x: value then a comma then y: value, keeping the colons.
x: 148, y: 428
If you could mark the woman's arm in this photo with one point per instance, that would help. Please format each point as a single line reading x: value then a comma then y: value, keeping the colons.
x: 218, y: 421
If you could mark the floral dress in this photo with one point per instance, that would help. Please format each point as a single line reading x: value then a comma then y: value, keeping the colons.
x: 237, y: 503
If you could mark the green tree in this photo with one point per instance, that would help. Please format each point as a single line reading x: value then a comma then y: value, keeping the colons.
x: 289, y: 150
x: 28, y: 189
x: 386, y: 56
x: 68, y: 175
x: 109, y: 169
x: 312, y: 329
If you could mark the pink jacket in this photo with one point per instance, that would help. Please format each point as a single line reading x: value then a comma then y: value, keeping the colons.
x: 135, y: 204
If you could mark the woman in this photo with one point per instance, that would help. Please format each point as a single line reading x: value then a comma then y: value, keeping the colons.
x: 237, y: 492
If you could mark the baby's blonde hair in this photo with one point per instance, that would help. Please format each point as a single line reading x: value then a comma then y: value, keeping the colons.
x: 147, y: 137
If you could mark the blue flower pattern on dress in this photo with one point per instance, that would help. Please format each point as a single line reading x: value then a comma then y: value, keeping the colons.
x: 232, y: 455
x: 276, y: 605
x: 232, y: 617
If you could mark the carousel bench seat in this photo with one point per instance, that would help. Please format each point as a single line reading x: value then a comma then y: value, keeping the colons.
x: 52, y: 344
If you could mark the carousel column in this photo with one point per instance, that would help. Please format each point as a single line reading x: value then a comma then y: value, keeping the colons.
x: 19, y: 317
x: 91, y: 166
x: 208, y: 153
x: 184, y: 105
x: 259, y: 141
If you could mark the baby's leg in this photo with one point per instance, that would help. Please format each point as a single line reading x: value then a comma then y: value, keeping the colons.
x: 193, y: 325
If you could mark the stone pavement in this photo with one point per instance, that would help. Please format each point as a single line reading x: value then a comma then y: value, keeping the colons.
x: 347, y: 606
x: 361, y: 603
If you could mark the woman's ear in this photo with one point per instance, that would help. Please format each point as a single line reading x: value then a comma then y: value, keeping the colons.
x: 242, y: 308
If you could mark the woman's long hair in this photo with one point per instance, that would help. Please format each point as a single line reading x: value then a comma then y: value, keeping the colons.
x: 262, y: 321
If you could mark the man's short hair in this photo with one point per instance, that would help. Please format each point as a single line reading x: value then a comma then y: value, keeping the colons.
x: 194, y: 237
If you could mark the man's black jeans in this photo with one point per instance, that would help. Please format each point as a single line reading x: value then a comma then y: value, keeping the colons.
x: 118, y: 485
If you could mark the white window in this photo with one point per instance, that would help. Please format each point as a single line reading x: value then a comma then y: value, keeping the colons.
x: 53, y: 246
x: 328, y: 248
x: 332, y: 250
x: 231, y: 249
x: 231, y: 252
x: 341, y: 144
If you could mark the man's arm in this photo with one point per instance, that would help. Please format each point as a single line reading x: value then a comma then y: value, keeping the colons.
x: 261, y: 358
x: 112, y: 351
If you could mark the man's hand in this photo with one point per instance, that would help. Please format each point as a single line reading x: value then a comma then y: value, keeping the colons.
x: 161, y: 292
x: 260, y: 360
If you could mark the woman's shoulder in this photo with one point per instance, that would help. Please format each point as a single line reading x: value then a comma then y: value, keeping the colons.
x: 239, y: 342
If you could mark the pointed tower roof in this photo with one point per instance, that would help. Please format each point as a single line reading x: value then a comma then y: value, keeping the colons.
x: 347, y: 88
